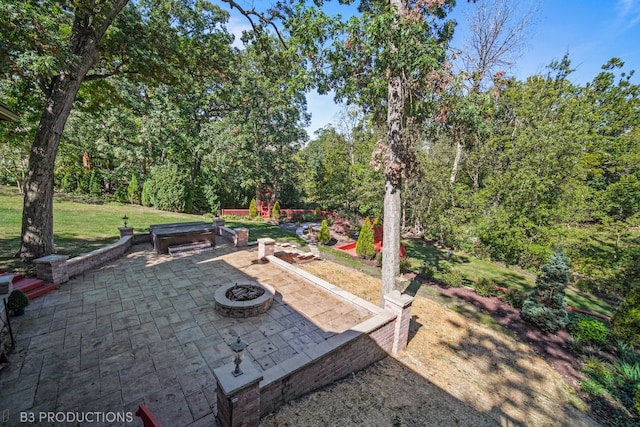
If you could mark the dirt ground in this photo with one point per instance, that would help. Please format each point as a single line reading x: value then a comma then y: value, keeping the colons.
x: 455, y: 371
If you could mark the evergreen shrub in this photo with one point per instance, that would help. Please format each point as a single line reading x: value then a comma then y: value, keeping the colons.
x: 253, y: 209
x: 514, y: 298
x: 590, y: 331
x: 275, y: 212
x: 453, y: 278
x: 133, y: 190
x: 120, y: 195
x: 626, y: 321
x: 169, y: 189
x: 68, y: 184
x: 485, y: 287
x: 83, y: 183
x: 405, y: 265
x: 324, y: 235
x: 545, y: 305
x: 364, y: 246
x: 145, y: 197
x: 95, y: 183
x: 17, y: 300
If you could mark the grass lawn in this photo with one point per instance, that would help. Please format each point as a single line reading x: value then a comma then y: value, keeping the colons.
x: 82, y: 225
x: 79, y: 226
x: 259, y: 230
x: 474, y: 268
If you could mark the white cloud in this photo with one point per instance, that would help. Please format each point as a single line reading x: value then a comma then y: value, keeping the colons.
x: 628, y: 12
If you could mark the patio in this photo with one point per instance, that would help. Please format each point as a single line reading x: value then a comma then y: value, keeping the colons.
x: 143, y: 329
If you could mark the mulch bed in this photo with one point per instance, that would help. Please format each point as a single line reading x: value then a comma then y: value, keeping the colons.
x: 554, y: 348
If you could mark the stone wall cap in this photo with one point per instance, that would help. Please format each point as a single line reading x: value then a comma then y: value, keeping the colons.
x: 230, y: 384
x: 51, y: 258
x: 395, y: 297
x: 266, y: 240
x: 7, y: 278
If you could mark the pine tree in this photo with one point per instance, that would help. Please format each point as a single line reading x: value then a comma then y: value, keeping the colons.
x: 146, y: 193
x: 275, y: 212
x: 95, y: 183
x: 133, y: 191
x: 364, y: 245
x: 253, y: 209
x: 545, y: 306
x: 324, y: 236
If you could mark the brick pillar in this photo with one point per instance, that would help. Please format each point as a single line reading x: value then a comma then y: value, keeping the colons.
x: 400, y: 304
x: 238, y: 397
x: 266, y: 247
x: 6, y: 286
x: 125, y: 231
x: 52, y: 268
x: 242, y: 237
x: 217, y: 223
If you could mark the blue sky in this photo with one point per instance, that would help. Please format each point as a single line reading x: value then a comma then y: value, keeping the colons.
x: 591, y: 31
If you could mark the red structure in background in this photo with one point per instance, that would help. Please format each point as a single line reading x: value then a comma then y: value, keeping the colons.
x: 350, y: 248
x: 265, y: 202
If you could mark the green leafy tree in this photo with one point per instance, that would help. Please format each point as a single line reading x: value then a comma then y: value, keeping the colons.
x: 324, y: 235
x: 254, y: 145
x: 169, y: 188
x: 390, y: 61
x: 545, y: 306
x: 133, y: 190
x: 253, y: 209
x: 59, y: 45
x: 626, y: 320
x: 364, y: 245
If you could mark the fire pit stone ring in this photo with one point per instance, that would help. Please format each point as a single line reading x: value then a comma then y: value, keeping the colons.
x: 245, y: 298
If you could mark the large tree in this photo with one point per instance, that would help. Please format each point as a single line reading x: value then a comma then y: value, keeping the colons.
x: 59, y: 44
x: 61, y: 64
x: 388, y: 60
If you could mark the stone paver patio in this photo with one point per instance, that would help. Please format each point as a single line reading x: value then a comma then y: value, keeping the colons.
x: 143, y: 329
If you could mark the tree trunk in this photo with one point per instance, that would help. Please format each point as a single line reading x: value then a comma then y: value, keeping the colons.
x: 456, y: 163
x: 392, y: 178
x: 37, y: 213
x: 392, y: 200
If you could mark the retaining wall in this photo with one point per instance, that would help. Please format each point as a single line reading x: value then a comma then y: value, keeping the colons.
x: 57, y: 269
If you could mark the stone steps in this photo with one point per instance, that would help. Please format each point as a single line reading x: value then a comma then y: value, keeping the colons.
x: 190, y: 247
x: 32, y: 287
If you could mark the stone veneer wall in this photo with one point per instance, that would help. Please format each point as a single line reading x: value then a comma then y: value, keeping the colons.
x: 57, y: 269
x: 337, y: 357
x: 386, y: 332
x: 92, y: 259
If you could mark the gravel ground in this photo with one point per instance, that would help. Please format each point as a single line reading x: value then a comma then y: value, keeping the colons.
x: 455, y: 371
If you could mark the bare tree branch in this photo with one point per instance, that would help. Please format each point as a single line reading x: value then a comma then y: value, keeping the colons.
x: 266, y: 20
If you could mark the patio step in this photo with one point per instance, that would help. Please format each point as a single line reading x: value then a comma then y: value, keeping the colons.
x: 189, y: 247
x: 44, y: 289
x: 32, y: 287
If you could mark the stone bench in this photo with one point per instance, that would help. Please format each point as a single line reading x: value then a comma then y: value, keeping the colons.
x: 165, y: 235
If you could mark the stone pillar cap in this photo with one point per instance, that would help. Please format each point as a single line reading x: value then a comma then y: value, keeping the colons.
x: 266, y: 240
x: 395, y: 297
x: 229, y: 384
x: 51, y: 258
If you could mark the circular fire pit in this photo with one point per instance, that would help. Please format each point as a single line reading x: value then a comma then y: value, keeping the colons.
x: 243, y: 299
